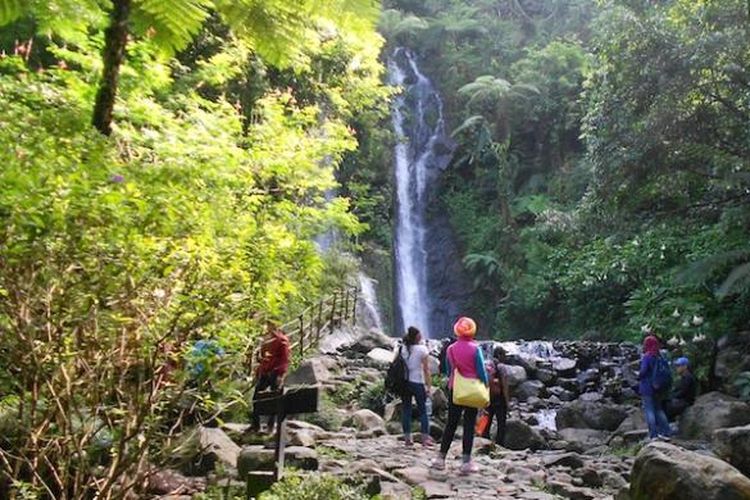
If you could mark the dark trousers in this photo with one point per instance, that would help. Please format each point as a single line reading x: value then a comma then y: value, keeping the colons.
x: 418, y: 392
x: 497, y: 409
x: 674, y: 408
x: 470, y: 420
x: 265, y: 381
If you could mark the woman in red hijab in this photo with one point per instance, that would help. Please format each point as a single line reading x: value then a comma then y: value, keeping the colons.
x: 653, y: 400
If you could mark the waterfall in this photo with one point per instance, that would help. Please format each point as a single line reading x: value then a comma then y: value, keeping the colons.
x: 420, y: 153
x: 370, y: 312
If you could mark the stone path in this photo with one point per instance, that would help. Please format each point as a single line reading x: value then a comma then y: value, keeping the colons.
x: 502, y: 473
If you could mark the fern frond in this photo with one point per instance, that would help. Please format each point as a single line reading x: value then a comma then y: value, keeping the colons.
x: 469, y: 124
x: 738, y: 280
x: 11, y: 10
x: 171, y: 23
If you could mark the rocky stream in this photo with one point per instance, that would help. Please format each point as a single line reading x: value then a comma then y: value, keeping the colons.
x: 575, y: 430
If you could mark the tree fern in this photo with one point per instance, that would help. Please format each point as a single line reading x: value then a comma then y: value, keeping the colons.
x: 11, y: 10
x: 396, y: 25
x: 170, y: 23
x: 277, y: 30
x: 736, y: 281
x: 485, y: 267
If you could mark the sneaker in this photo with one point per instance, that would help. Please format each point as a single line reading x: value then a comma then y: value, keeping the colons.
x: 666, y: 439
x: 438, y: 463
x: 408, y: 442
x: 468, y: 468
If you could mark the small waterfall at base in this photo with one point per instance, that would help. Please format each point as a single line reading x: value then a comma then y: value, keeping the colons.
x: 370, y: 311
x: 423, y: 150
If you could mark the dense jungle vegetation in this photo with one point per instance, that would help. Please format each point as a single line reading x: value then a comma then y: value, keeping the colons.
x: 600, y: 182
x: 188, y: 210
x: 167, y: 168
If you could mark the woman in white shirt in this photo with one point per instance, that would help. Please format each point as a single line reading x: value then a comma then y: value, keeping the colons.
x: 416, y: 356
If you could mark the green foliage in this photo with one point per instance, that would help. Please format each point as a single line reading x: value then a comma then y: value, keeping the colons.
x: 373, y: 397
x: 330, y: 452
x: 192, y: 223
x: 327, y: 416
x: 626, y: 451
x: 316, y: 487
x: 418, y: 493
x: 609, y: 192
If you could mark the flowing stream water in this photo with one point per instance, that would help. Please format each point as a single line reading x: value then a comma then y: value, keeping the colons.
x: 420, y: 131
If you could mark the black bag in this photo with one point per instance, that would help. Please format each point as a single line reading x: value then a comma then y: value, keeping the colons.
x: 395, y: 379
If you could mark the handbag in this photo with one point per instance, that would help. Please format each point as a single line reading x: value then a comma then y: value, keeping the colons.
x: 482, y: 423
x: 469, y: 392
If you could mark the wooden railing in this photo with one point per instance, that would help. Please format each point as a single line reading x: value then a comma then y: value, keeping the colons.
x: 317, y: 321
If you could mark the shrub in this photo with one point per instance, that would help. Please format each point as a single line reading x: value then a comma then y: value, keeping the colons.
x: 317, y: 487
x: 373, y: 397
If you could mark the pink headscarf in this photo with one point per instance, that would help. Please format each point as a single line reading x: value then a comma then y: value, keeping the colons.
x: 651, y: 346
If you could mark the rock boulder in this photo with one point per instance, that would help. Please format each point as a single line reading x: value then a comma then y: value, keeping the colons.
x: 564, y: 367
x: 516, y: 374
x: 733, y: 445
x: 590, y: 415
x: 529, y: 389
x: 520, y: 436
x: 310, y: 372
x: 713, y: 411
x: 381, y: 356
x: 365, y: 420
x: 663, y: 471
x: 582, y: 439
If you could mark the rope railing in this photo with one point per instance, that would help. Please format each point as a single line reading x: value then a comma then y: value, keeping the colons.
x: 318, y: 320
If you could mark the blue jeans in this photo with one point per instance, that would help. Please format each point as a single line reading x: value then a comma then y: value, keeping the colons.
x: 417, y: 391
x: 656, y: 419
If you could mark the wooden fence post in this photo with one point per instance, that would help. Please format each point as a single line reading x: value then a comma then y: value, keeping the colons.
x: 333, y: 312
x: 301, y: 336
x: 320, y: 323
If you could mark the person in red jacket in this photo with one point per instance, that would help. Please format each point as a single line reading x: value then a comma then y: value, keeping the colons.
x: 272, y: 368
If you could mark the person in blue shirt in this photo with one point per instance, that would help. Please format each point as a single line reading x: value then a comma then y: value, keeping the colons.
x: 653, y: 401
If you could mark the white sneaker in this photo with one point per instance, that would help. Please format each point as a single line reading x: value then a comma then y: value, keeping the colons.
x: 438, y: 463
x: 468, y: 468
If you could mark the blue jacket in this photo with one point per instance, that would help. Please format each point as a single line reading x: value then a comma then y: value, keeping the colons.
x: 648, y: 365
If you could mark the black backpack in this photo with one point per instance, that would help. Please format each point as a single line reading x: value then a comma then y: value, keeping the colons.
x: 443, y: 356
x: 661, y: 376
x: 395, y: 379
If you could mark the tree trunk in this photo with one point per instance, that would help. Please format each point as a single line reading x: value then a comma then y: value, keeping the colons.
x: 115, y: 41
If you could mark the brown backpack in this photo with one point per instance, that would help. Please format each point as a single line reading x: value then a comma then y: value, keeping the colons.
x: 496, y: 382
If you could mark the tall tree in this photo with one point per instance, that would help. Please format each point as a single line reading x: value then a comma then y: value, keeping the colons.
x: 275, y: 29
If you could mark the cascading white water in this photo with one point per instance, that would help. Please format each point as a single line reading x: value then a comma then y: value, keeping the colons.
x: 419, y: 127
x: 371, y: 311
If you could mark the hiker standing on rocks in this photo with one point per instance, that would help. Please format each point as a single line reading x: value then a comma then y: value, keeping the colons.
x: 499, y: 394
x: 416, y: 356
x: 271, y: 371
x: 464, y: 357
x: 653, y: 388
